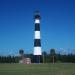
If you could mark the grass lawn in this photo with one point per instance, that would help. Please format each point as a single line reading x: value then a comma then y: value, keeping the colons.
x: 37, y: 69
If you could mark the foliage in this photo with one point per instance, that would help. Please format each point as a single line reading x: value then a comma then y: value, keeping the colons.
x: 21, y: 52
x: 70, y: 58
x: 52, y: 55
x: 9, y: 59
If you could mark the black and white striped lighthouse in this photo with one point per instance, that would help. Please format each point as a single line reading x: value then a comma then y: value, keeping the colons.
x: 37, y: 40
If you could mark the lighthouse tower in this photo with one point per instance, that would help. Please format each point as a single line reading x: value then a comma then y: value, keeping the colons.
x: 37, y: 40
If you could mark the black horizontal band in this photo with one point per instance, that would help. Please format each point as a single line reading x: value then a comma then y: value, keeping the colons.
x: 37, y: 42
x: 37, y: 27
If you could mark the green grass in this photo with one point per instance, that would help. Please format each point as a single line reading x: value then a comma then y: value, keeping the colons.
x: 37, y: 69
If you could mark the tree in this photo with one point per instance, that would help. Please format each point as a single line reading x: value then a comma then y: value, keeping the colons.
x: 21, y: 52
x: 45, y: 57
x: 52, y: 55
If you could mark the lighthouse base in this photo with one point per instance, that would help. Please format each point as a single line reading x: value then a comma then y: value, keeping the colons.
x: 37, y: 58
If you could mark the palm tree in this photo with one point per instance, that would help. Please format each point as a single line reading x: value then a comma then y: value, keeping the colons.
x: 52, y: 54
x: 21, y: 52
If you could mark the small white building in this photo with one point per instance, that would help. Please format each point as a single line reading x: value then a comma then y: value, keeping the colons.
x: 25, y: 61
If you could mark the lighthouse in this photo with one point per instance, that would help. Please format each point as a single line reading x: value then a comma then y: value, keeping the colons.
x: 37, y: 39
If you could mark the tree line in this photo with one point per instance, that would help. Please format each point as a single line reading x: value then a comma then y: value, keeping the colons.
x: 9, y: 59
x: 51, y: 57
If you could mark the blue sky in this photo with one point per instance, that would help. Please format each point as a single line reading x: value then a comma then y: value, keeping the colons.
x: 17, y: 25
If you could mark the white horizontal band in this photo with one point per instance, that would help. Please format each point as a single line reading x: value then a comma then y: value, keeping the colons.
x: 37, y: 34
x: 37, y: 51
x: 37, y: 21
